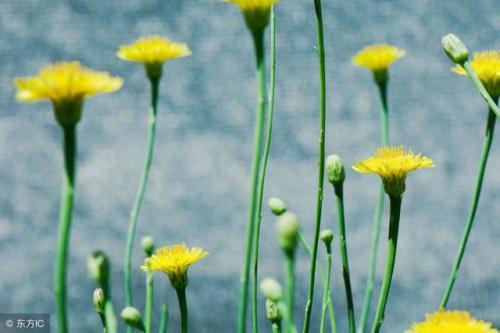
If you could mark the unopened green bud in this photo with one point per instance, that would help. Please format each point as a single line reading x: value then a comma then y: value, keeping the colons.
x: 148, y: 245
x: 98, y: 267
x: 327, y: 237
x: 98, y: 300
x: 277, y: 206
x: 455, y: 49
x: 273, y: 312
x: 271, y: 289
x: 335, y: 170
x: 132, y: 317
x: 288, y: 231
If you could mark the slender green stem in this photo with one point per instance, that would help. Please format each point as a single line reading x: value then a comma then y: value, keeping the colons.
x: 276, y: 328
x: 326, y: 290
x: 109, y: 313
x: 321, y: 162
x: 181, y: 296
x: 490, y: 129
x: 134, y: 214
x: 395, y: 212
x: 492, y: 104
x: 339, y: 198
x: 148, y: 313
x: 331, y: 309
x: 377, y: 219
x: 290, y: 291
x: 258, y: 37
x: 103, y: 321
x: 65, y: 216
x: 262, y: 176
x: 163, y: 319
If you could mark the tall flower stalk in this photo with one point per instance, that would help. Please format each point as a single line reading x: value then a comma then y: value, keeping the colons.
x: 377, y: 58
x: 392, y: 164
x: 263, y: 168
x: 152, y: 52
x: 65, y: 84
x: 321, y: 161
x: 486, y: 65
x: 256, y: 14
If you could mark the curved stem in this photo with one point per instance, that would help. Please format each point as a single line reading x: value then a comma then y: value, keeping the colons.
x: 377, y: 218
x: 263, y: 168
x: 290, y: 291
x: 492, y: 104
x: 339, y: 198
x: 395, y: 211
x: 326, y: 291
x: 258, y: 37
x: 163, y: 319
x: 490, y: 129
x: 148, y: 312
x: 134, y: 214
x: 65, y: 216
x: 321, y: 162
x: 181, y: 296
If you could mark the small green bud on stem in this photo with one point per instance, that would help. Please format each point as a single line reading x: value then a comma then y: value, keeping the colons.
x: 455, y: 49
x: 335, y: 170
x: 327, y: 237
x: 277, y: 206
x: 271, y: 289
x: 148, y: 245
x: 98, y: 267
x: 98, y: 299
x: 132, y: 317
x: 288, y: 231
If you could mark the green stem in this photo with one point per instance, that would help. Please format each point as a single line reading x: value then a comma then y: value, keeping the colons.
x: 490, y: 129
x: 134, y: 214
x: 276, y: 328
x: 321, y: 162
x: 326, y: 290
x: 163, y: 319
x: 109, y: 313
x: 290, y: 290
x: 258, y: 37
x: 263, y: 168
x: 492, y: 104
x: 339, y: 198
x: 148, y: 313
x: 181, y: 296
x: 65, y: 215
x: 377, y: 219
x: 395, y: 211
x: 331, y: 310
x: 103, y: 321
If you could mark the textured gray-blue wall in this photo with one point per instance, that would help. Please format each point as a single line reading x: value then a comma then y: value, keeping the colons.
x: 199, y: 182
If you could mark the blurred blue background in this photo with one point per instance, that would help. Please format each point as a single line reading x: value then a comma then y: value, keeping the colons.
x: 200, y: 177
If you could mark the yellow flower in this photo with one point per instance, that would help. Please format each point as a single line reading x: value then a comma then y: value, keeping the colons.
x: 256, y: 12
x: 174, y: 260
x: 392, y: 164
x: 486, y: 64
x: 451, y: 322
x: 378, y: 58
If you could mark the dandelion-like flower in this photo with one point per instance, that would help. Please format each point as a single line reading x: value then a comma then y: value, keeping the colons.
x: 392, y: 164
x: 256, y: 12
x: 451, y: 322
x: 66, y: 84
x: 378, y: 58
x: 174, y: 261
x: 486, y: 64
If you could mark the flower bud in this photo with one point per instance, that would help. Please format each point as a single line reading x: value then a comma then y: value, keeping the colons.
x: 277, y: 206
x: 98, y: 300
x: 148, y: 245
x: 132, y: 317
x: 327, y: 237
x: 455, y: 49
x: 273, y: 312
x: 271, y: 289
x: 335, y: 170
x: 288, y: 231
x: 98, y: 267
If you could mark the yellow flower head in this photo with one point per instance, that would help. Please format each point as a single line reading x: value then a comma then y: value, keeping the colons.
x: 451, y: 322
x: 153, y: 51
x: 486, y: 64
x: 256, y: 12
x: 392, y: 164
x: 66, y: 84
x: 378, y: 58
x: 174, y: 260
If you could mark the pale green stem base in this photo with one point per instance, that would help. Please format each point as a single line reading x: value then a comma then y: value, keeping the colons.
x: 148, y: 312
x: 290, y: 291
x: 163, y: 319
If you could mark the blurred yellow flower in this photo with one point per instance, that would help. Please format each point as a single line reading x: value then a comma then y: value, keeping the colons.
x: 451, y: 322
x: 378, y: 58
x: 392, y: 164
x: 256, y: 12
x: 486, y: 64
x: 174, y: 261
x: 153, y: 50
